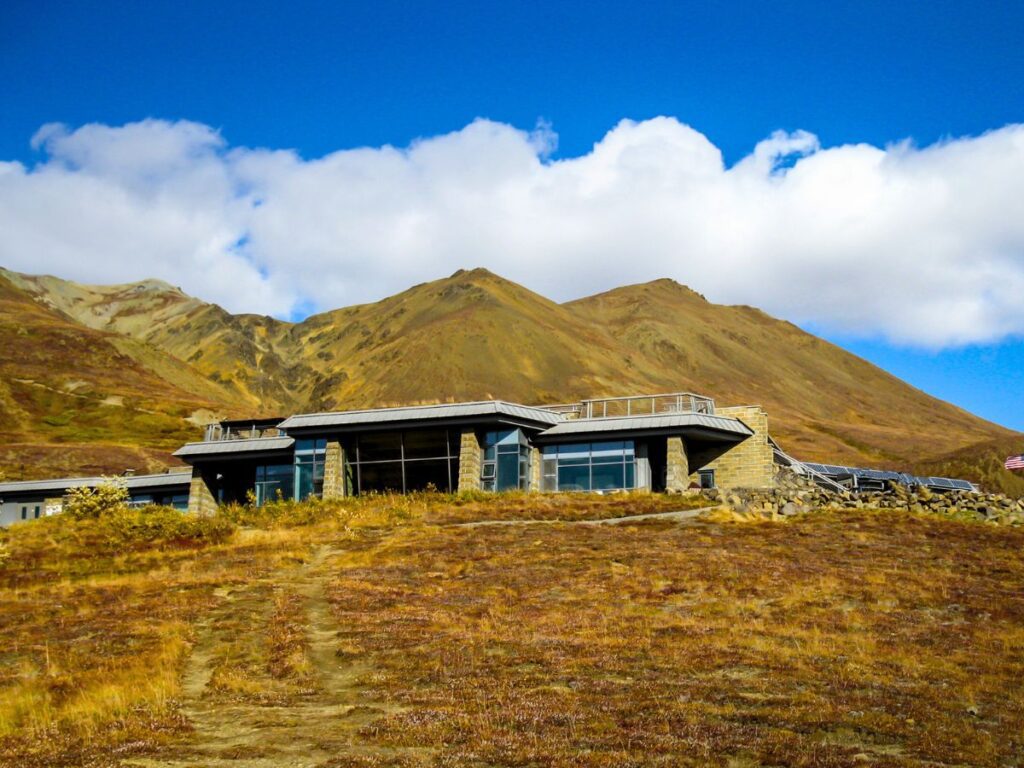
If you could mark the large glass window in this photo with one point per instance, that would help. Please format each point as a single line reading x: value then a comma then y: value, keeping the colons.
x: 401, y: 462
x: 589, y: 466
x: 273, y: 482
x: 506, y: 464
x: 309, y: 468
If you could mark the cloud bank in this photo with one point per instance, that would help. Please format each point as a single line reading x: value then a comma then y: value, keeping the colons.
x: 923, y: 246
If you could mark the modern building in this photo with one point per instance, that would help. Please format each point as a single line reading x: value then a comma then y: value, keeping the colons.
x: 651, y: 442
x: 32, y: 499
x: 660, y: 443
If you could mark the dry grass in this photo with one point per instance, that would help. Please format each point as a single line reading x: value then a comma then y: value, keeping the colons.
x: 877, y: 638
x: 829, y: 641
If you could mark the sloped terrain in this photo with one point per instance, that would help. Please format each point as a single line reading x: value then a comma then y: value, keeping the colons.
x: 367, y: 632
x: 822, y: 401
x: 76, y: 399
x: 475, y: 335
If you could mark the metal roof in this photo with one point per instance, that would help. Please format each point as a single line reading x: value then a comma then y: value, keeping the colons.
x: 422, y: 413
x: 133, y: 482
x: 642, y: 423
x: 253, y: 445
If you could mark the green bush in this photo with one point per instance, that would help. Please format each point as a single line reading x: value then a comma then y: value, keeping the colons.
x: 90, y: 503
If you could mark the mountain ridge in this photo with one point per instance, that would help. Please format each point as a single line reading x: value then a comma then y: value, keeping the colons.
x: 477, y: 335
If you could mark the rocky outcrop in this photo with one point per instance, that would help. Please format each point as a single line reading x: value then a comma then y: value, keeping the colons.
x: 796, y: 495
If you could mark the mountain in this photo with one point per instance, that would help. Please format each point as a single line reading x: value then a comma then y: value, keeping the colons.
x: 77, y: 400
x: 476, y: 335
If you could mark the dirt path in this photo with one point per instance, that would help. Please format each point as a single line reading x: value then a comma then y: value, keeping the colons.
x: 677, y: 516
x: 302, y: 731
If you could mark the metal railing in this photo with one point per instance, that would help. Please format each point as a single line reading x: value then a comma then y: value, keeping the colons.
x: 646, y: 405
x: 217, y: 432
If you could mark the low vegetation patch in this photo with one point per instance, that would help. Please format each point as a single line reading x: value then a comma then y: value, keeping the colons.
x: 838, y: 639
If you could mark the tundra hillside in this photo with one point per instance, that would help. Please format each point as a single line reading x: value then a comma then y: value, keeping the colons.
x: 510, y: 630
x: 471, y: 336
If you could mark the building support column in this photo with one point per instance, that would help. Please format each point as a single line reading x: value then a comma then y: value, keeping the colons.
x: 751, y: 463
x: 201, y: 500
x: 470, y: 460
x: 677, y: 466
x: 536, y: 465
x: 334, y: 471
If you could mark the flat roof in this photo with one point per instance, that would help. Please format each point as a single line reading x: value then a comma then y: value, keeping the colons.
x: 576, y: 427
x: 415, y: 413
x: 227, y: 447
x: 133, y: 482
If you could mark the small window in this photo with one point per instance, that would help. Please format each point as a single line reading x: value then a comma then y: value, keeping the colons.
x: 707, y: 478
x: 37, y: 512
x: 24, y: 513
x: 488, y: 471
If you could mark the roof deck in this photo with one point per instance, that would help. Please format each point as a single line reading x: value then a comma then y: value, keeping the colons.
x: 243, y: 429
x: 636, y: 405
x: 668, y: 404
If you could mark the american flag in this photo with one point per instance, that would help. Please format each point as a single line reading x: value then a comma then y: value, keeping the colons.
x: 1014, y: 462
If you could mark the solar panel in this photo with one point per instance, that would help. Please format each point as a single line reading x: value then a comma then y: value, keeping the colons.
x: 835, y: 471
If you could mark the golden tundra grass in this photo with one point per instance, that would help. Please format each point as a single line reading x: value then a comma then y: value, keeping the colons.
x: 867, y: 638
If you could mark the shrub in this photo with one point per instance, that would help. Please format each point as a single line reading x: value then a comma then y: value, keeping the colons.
x: 89, y: 503
x: 155, y: 525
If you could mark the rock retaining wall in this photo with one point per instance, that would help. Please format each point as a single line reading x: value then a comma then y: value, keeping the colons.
x: 796, y: 495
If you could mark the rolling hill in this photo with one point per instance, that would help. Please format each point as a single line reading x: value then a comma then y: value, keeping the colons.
x: 476, y: 335
x: 79, y: 400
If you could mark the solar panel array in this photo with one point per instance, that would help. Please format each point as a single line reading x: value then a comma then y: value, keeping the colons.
x: 835, y: 471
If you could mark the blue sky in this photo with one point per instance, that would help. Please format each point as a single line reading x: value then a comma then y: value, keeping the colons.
x: 318, y: 78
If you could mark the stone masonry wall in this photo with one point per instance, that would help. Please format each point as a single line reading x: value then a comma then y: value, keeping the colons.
x: 536, y: 462
x: 795, y: 495
x: 469, y: 462
x: 749, y: 464
x: 201, y: 500
x: 334, y: 471
x: 677, y: 466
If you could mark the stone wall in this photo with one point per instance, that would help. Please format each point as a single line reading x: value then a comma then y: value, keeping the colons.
x: 749, y: 464
x: 201, y: 500
x: 470, y: 460
x: 334, y: 471
x: 677, y: 466
x: 796, y: 495
x: 536, y: 469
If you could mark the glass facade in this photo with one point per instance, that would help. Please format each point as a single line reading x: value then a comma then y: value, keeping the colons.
x: 590, y: 466
x: 506, y: 465
x: 275, y: 482
x: 309, y: 468
x: 404, y: 461
x: 177, y: 500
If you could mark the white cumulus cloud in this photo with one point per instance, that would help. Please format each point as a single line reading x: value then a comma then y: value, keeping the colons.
x: 923, y: 246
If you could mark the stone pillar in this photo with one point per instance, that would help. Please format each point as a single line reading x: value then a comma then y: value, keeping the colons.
x: 536, y: 467
x: 334, y: 471
x: 750, y: 464
x: 470, y: 459
x: 201, y: 500
x: 677, y: 466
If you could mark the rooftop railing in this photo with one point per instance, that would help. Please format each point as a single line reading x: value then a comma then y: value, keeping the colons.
x: 217, y: 432
x: 635, y: 405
